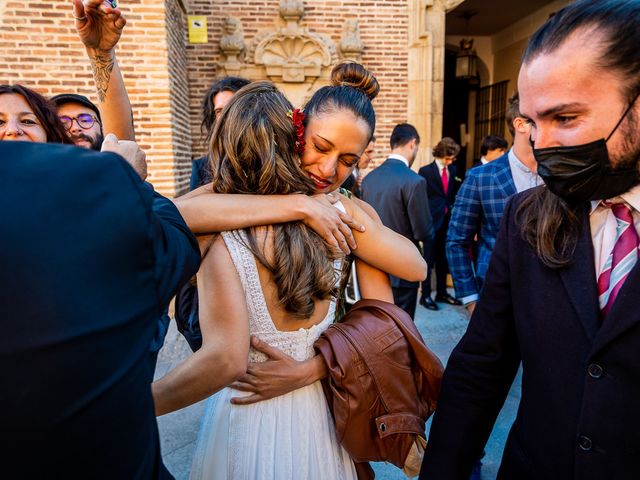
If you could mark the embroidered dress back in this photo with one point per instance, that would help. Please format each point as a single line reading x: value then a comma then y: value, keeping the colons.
x: 287, y: 437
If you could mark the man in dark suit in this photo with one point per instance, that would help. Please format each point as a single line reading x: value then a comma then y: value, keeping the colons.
x: 90, y: 258
x: 442, y: 187
x: 399, y: 195
x: 561, y: 294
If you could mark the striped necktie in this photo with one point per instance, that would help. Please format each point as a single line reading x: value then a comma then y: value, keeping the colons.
x: 622, y: 258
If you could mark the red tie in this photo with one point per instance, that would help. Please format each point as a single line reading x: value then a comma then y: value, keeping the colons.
x: 622, y: 258
x: 445, y: 180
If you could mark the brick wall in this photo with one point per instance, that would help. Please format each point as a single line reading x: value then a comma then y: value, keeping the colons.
x: 166, y: 77
x: 383, y: 29
x: 41, y: 50
x: 179, y: 94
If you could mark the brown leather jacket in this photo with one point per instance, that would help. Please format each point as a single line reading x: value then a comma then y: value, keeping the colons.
x: 382, y: 383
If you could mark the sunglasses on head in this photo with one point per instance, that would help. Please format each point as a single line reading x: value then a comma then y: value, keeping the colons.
x: 84, y: 121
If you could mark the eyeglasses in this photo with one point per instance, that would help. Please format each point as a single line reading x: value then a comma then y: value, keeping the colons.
x: 84, y: 121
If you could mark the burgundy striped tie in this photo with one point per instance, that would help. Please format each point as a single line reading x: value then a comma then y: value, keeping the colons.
x: 622, y: 258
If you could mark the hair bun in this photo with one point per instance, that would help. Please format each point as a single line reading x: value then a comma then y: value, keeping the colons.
x: 352, y: 74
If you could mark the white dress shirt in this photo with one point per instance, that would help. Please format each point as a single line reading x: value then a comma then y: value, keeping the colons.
x: 441, y: 166
x: 523, y: 177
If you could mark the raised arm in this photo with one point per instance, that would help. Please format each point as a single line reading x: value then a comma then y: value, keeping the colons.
x: 207, y: 212
x: 99, y: 27
x: 225, y: 337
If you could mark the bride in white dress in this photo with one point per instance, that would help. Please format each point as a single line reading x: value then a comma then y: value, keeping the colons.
x: 286, y: 437
x: 278, y: 284
x: 275, y: 282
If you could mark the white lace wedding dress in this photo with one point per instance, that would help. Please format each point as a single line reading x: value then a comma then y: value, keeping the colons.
x: 287, y: 437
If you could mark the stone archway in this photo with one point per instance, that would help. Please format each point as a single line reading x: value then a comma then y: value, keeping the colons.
x: 426, y: 71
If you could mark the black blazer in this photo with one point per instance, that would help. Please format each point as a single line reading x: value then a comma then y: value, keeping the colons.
x: 439, y: 202
x: 90, y: 258
x: 200, y: 173
x: 399, y: 196
x: 351, y: 185
x: 578, y: 415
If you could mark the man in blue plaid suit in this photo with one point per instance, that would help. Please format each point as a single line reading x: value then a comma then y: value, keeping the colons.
x: 480, y: 203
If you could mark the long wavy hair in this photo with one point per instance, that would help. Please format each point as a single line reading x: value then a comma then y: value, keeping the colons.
x: 547, y: 222
x: 43, y: 109
x: 252, y: 151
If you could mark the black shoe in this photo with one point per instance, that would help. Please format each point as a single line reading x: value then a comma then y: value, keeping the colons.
x: 446, y: 298
x: 427, y: 302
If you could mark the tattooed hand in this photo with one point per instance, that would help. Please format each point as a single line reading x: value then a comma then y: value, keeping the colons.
x: 98, y: 24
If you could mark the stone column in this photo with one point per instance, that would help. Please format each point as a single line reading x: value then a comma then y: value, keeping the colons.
x: 426, y: 71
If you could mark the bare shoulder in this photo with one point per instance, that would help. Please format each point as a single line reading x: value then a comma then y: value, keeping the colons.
x: 368, y: 209
x: 356, y: 208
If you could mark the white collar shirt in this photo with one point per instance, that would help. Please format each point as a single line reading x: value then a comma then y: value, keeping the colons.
x: 396, y: 156
x: 441, y: 166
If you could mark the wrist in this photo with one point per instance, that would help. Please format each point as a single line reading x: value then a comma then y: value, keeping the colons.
x: 301, y: 206
x: 97, y: 52
x: 315, y: 370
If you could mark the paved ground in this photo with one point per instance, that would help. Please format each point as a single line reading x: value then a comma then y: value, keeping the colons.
x: 441, y: 330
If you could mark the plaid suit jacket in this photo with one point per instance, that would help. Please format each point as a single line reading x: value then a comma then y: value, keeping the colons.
x: 477, y: 211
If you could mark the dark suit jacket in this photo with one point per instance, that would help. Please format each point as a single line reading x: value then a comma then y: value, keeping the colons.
x: 350, y: 184
x: 90, y: 258
x: 578, y: 415
x: 399, y: 195
x: 439, y: 202
x: 200, y: 174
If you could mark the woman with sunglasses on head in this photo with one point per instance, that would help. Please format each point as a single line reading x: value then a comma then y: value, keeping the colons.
x: 27, y: 116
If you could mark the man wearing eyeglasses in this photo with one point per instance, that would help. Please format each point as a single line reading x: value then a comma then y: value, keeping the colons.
x: 81, y: 120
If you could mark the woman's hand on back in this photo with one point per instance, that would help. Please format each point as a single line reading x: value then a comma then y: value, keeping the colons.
x: 333, y: 225
x: 277, y: 376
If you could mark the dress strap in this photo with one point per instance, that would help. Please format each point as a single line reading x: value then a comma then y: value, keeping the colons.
x: 245, y: 264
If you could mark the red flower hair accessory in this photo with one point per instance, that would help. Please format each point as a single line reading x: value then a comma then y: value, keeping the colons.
x: 297, y: 118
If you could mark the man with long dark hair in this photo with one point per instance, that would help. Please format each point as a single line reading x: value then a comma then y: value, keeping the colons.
x: 561, y: 294
x: 216, y: 98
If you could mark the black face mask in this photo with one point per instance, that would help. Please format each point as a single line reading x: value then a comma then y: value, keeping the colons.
x: 584, y: 172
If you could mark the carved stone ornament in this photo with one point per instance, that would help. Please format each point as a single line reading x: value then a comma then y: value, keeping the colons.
x: 232, y: 42
x: 351, y: 44
x: 291, y: 11
x: 292, y: 54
